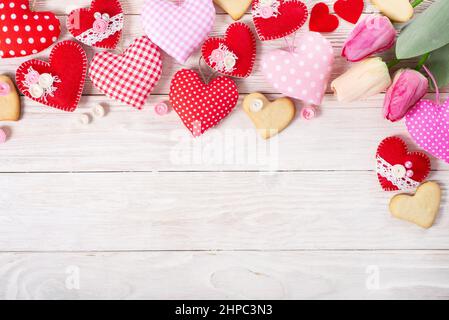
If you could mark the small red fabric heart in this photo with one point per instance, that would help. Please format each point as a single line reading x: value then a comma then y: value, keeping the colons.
x: 239, y: 41
x: 202, y: 106
x: 278, y: 20
x: 103, y: 31
x: 321, y: 20
x: 67, y: 65
x: 24, y: 32
x: 392, y: 155
x: 349, y: 10
x: 131, y: 76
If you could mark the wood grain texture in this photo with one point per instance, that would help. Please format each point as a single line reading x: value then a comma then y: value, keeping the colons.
x: 226, y: 275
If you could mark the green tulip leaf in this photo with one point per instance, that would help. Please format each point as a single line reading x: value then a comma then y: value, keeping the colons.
x: 438, y: 64
x: 427, y: 32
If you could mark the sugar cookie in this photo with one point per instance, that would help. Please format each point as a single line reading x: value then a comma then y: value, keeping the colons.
x: 235, y: 8
x: 9, y: 100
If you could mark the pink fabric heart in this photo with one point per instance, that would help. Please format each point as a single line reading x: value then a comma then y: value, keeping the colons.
x: 301, y: 72
x: 178, y: 29
x: 428, y: 124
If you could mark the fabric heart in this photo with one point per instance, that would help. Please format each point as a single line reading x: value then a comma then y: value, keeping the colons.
x: 349, y: 10
x: 321, y: 20
x: 278, y: 18
x: 422, y: 208
x: 178, y: 30
x: 398, y: 169
x: 235, y: 8
x: 270, y: 118
x: 202, y: 106
x: 99, y: 26
x: 131, y: 76
x: 235, y: 54
x: 24, y: 32
x: 428, y: 124
x: 59, y: 82
x: 304, y: 71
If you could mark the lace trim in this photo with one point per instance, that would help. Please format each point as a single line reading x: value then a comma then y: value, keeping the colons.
x: 40, y: 86
x: 220, y: 59
x: 385, y: 170
x: 91, y: 37
x: 267, y: 11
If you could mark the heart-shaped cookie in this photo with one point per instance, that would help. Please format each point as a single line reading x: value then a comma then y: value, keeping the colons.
x: 131, y: 76
x: 24, y: 32
x: 276, y: 19
x: 202, y: 106
x: 321, y: 20
x: 396, y: 10
x: 235, y: 54
x: 178, y: 29
x: 399, y: 169
x: 428, y: 124
x: 270, y: 118
x: 349, y: 10
x: 422, y: 208
x: 9, y: 100
x: 59, y: 82
x: 98, y: 26
x: 235, y: 8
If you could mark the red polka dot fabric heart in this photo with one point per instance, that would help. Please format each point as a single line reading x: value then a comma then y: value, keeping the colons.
x: 235, y: 54
x: 131, y: 76
x: 398, y: 169
x: 278, y: 18
x: 321, y: 20
x: 349, y: 10
x: 24, y: 32
x: 59, y: 82
x: 98, y: 26
x: 202, y: 106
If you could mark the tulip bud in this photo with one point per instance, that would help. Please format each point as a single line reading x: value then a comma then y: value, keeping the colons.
x: 364, y: 79
x: 408, y: 87
x: 396, y: 10
x: 371, y: 35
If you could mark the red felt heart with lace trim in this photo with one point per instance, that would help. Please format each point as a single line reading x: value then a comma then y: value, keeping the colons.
x: 399, y: 169
x: 202, y: 106
x: 24, y: 32
x: 321, y: 20
x: 278, y: 19
x: 59, y: 82
x: 235, y: 54
x: 99, y: 26
x: 349, y: 10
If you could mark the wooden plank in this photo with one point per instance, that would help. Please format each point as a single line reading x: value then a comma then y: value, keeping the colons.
x: 343, y: 137
x: 207, y: 211
x: 226, y: 275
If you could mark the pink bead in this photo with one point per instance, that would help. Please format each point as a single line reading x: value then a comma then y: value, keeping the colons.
x: 2, y: 136
x: 32, y: 77
x: 409, y: 164
x: 5, y: 89
x: 217, y: 55
x: 410, y: 173
x: 161, y: 109
x: 308, y: 113
x: 100, y: 25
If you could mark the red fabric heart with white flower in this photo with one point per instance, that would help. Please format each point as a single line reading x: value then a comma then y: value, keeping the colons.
x: 278, y: 18
x: 202, y: 106
x: 235, y: 54
x: 98, y: 26
x: 53, y: 83
x: 398, y: 169
x: 131, y: 76
x: 24, y: 32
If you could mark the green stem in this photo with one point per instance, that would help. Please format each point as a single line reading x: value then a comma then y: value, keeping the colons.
x: 392, y: 63
x: 416, y: 3
x: 422, y: 61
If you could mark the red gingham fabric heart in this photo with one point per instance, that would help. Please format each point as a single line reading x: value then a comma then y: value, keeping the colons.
x: 278, y: 20
x: 393, y: 157
x: 202, y: 106
x: 239, y: 41
x: 101, y: 32
x: 67, y: 65
x: 131, y: 76
x: 24, y: 32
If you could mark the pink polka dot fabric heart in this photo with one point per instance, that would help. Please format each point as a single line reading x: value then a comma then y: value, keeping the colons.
x: 428, y: 124
x: 178, y: 29
x: 301, y: 73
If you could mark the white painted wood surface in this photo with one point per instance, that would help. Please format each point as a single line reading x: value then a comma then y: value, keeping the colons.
x: 131, y: 207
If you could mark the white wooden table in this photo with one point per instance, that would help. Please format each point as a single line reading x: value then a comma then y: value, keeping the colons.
x: 128, y: 207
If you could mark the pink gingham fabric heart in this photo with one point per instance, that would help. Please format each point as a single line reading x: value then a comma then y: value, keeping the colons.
x: 301, y: 72
x: 428, y: 124
x: 178, y: 29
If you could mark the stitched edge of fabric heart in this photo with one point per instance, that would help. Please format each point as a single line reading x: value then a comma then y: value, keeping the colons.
x: 384, y: 182
x: 48, y: 64
x: 228, y: 31
x: 320, y: 11
x: 346, y: 9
